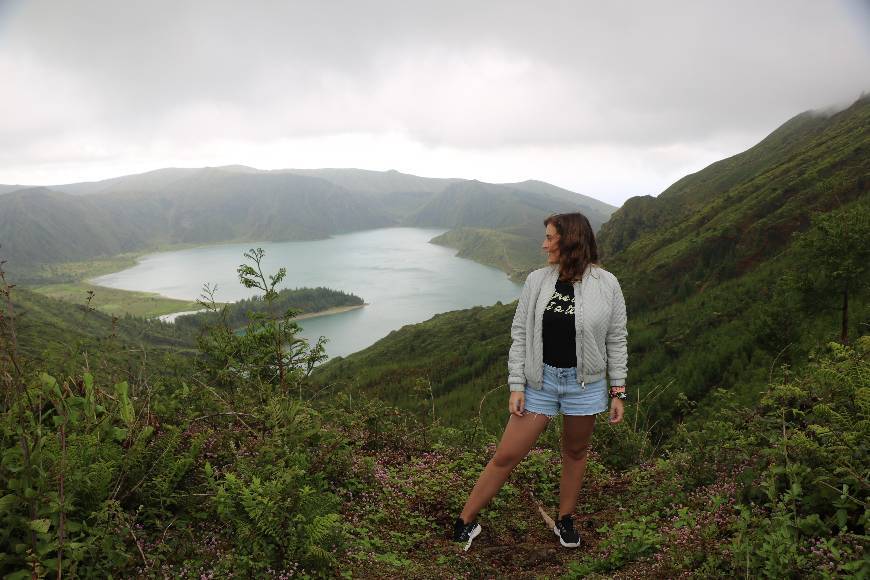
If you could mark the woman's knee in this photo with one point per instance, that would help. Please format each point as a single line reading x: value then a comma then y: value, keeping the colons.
x: 506, y: 459
x: 575, y: 451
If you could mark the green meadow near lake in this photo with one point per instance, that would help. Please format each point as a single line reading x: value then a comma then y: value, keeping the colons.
x: 70, y: 282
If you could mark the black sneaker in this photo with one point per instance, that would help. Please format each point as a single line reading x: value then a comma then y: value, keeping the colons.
x: 568, y: 536
x: 463, y: 532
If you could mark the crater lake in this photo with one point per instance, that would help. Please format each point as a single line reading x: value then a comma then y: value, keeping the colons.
x: 402, y: 277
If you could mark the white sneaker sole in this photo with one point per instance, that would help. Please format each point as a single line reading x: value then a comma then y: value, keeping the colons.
x: 563, y: 542
x: 474, y: 533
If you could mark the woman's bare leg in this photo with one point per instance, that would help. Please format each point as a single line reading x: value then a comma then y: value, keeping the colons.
x: 576, y: 435
x: 519, y: 436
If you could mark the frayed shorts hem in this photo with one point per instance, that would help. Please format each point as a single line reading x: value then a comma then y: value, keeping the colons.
x: 537, y: 412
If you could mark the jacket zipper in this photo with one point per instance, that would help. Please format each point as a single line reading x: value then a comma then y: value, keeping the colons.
x: 582, y: 380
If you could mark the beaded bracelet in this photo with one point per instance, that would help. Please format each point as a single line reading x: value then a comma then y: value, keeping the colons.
x: 618, y: 392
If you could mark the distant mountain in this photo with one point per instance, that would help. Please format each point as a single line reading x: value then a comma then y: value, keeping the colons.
x: 358, y: 180
x: 11, y: 188
x: 597, y: 211
x: 154, y: 181
x: 38, y: 224
x: 237, y: 203
x: 377, y: 182
x: 203, y: 207
x: 502, y: 225
x: 478, y: 204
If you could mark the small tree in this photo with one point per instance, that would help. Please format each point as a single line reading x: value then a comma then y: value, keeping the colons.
x: 835, y: 253
x: 269, y: 350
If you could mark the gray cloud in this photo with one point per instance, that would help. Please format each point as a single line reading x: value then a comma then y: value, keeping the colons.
x: 91, y: 78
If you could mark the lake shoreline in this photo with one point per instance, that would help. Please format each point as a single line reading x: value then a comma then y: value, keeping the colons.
x: 329, y: 311
x: 303, y: 316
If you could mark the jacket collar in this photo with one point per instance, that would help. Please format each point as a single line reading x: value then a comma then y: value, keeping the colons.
x: 591, y: 270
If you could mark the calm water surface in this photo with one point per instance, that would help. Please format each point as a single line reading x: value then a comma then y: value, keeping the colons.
x: 403, y: 277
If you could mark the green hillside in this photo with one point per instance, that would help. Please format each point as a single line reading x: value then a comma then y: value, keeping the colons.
x: 122, y: 459
x: 515, y: 250
x: 710, y: 266
x: 725, y: 220
x: 451, y: 361
x: 54, y: 336
x: 515, y: 254
x: 129, y: 452
x: 38, y: 225
x: 728, y: 337
x: 732, y: 334
x: 69, y: 282
x: 722, y: 320
x: 114, y: 301
x: 154, y: 181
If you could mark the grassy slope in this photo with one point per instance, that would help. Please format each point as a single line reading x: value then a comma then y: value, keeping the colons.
x: 729, y: 336
x: 54, y: 334
x: 69, y: 282
x: 700, y: 315
x: 117, y: 302
x: 793, y: 463
x: 461, y: 354
x: 703, y: 282
x: 514, y: 254
x: 674, y: 516
x: 725, y: 220
x: 398, y: 483
x: 732, y: 335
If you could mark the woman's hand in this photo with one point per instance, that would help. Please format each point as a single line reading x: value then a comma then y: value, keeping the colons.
x: 616, y: 410
x: 517, y: 403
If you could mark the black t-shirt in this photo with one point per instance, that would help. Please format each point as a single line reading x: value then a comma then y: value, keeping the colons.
x: 558, y: 328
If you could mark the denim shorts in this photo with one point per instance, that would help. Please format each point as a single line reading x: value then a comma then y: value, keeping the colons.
x: 563, y: 393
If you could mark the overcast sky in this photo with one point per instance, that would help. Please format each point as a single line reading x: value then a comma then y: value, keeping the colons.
x: 609, y: 99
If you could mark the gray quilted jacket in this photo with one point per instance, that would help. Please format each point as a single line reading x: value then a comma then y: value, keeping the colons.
x: 599, y: 320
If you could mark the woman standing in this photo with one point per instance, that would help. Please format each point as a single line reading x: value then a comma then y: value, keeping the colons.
x: 569, y: 330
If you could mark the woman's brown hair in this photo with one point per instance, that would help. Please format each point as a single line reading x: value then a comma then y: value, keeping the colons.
x: 577, y: 247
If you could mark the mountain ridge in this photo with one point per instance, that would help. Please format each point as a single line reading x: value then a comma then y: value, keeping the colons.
x: 237, y: 203
x: 743, y: 209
